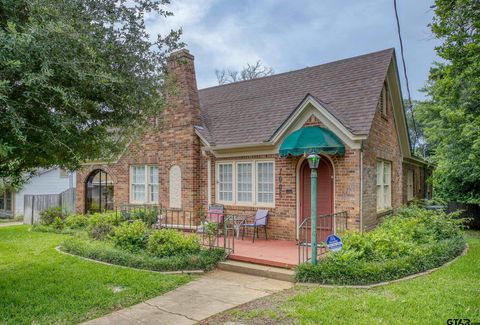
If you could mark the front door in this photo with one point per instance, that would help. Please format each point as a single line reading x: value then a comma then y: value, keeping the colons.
x: 324, y: 196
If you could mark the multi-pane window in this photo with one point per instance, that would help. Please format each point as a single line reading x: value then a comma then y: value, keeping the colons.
x: 384, y: 182
x: 409, y: 185
x: 225, y: 182
x: 144, y: 184
x: 265, y: 188
x: 153, y: 184
x: 6, y: 202
x: 246, y: 183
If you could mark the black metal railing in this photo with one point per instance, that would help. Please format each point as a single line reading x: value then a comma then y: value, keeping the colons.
x: 223, y: 237
x: 182, y: 220
x: 327, y: 224
x: 160, y: 217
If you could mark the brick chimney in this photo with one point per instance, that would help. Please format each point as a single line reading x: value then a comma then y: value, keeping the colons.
x: 183, y: 103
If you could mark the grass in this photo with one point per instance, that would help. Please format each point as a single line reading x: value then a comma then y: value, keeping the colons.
x: 451, y: 292
x: 42, y: 286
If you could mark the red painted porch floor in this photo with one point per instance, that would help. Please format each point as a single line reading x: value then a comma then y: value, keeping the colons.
x: 278, y: 253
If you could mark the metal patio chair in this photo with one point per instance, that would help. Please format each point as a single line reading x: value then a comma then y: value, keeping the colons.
x: 260, y: 220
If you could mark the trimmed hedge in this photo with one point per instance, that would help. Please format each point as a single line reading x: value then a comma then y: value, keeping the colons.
x: 359, y: 272
x: 50, y: 229
x: 107, y: 252
x: 412, y: 241
x: 170, y: 242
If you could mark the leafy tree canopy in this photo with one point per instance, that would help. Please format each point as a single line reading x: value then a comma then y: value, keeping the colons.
x: 451, y: 117
x: 77, y: 79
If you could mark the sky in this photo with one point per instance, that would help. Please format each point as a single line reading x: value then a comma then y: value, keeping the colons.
x: 291, y: 35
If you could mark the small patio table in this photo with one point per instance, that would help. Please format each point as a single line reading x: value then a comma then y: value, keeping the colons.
x: 237, y: 221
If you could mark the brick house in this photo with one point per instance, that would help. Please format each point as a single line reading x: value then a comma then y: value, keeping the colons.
x: 220, y: 145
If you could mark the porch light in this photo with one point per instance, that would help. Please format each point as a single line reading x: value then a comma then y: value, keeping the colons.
x: 313, y: 162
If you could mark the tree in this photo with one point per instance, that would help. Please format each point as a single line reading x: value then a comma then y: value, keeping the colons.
x: 415, y: 128
x: 451, y: 117
x: 78, y: 79
x: 250, y: 71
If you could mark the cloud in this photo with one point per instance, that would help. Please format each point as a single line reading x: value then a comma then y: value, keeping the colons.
x: 289, y: 35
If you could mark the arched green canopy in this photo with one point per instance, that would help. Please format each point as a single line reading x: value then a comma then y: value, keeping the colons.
x: 311, y: 139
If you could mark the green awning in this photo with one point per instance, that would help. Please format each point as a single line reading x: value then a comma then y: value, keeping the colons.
x: 311, y: 139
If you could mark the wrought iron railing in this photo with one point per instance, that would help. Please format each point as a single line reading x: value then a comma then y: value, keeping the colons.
x: 327, y: 224
x: 223, y: 237
x: 185, y: 221
x: 160, y: 217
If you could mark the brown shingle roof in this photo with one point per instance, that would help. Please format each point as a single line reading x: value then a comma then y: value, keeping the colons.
x: 251, y: 111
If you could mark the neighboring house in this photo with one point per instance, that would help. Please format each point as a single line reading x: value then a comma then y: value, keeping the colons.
x: 45, y: 181
x: 243, y: 145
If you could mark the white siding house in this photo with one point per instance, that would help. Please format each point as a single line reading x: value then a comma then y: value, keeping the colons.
x: 50, y: 181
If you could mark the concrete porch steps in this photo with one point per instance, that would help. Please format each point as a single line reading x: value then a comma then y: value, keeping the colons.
x: 258, y: 270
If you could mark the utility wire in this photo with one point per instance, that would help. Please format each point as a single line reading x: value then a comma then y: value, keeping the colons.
x: 406, y: 76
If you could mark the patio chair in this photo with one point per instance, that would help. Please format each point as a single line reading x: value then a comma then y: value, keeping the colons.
x: 261, y: 220
x: 215, y: 213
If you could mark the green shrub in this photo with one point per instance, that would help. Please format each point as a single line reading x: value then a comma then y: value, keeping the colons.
x: 131, y: 236
x: 147, y: 214
x: 102, y: 225
x: 107, y: 252
x: 47, y: 216
x: 76, y: 221
x: 412, y: 241
x: 102, y: 231
x: 58, y: 223
x: 50, y: 229
x: 169, y: 242
x: 360, y: 272
x: 110, y: 218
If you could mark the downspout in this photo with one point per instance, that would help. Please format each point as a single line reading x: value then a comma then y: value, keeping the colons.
x: 361, y: 188
x: 209, y: 181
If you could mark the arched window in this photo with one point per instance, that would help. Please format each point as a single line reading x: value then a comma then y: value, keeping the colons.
x: 98, y: 192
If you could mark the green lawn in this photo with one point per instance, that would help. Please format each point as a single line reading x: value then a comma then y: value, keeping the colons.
x: 451, y: 292
x: 42, y: 286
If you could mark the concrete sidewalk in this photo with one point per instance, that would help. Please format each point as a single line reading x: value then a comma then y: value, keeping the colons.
x: 13, y: 223
x: 209, y: 295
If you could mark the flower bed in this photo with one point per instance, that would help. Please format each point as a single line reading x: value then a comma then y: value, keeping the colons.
x: 412, y: 241
x: 108, y: 238
x: 105, y: 251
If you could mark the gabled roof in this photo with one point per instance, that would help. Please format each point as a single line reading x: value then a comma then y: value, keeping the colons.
x: 252, y: 111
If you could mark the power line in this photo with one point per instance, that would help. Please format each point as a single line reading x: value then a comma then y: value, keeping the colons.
x: 405, y: 73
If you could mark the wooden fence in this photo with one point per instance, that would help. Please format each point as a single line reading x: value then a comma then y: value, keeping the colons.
x: 33, y: 205
x: 67, y: 199
x: 468, y: 211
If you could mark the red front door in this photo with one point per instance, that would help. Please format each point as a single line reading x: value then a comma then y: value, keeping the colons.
x: 324, y: 196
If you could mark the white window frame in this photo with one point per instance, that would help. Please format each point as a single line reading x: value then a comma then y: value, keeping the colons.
x: 256, y: 182
x: 381, y: 204
x: 234, y: 201
x: 252, y: 180
x: 4, y: 195
x: 410, y: 185
x: 146, y: 183
x: 217, y: 183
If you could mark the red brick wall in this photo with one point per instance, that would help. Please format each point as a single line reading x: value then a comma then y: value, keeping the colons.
x: 420, y: 176
x: 283, y: 217
x: 173, y: 142
x: 382, y: 143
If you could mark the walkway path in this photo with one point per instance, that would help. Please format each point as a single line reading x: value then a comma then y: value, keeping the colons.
x: 212, y: 293
x: 13, y: 223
